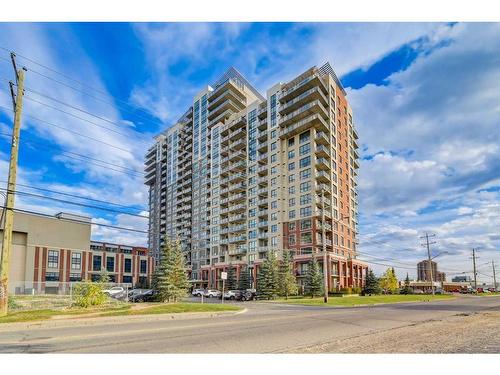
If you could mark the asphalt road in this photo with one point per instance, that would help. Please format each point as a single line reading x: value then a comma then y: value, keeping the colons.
x: 263, y: 328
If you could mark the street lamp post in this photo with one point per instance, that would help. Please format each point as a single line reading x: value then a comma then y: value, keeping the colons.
x: 323, y: 235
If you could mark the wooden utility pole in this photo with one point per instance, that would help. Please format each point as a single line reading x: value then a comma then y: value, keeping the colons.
x: 17, y: 100
x: 494, y: 276
x: 474, y: 265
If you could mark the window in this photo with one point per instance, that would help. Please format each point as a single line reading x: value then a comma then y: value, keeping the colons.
x: 110, y: 264
x: 76, y: 261
x: 274, y: 241
x: 143, y: 266
x: 305, y: 199
x: 304, y: 137
x: 274, y: 204
x: 273, y: 170
x: 305, y: 149
x: 305, y: 186
x: 274, y: 157
x: 306, y: 173
x: 291, y: 178
x: 127, y: 279
x: 305, y: 211
x: 53, y: 259
x: 274, y: 228
x: 291, y: 154
x: 291, y: 202
x: 52, y: 276
x: 97, y: 263
x: 273, y: 181
x: 291, y: 226
x: 305, y: 162
x: 273, y: 146
x: 291, y: 142
x: 291, y: 166
x: 291, y: 239
x: 305, y: 224
x: 291, y: 190
x: 274, y: 216
x: 306, y: 237
x: 128, y: 265
x: 75, y: 277
x: 291, y: 214
x: 274, y: 193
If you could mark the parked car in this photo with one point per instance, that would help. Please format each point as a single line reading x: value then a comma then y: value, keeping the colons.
x: 492, y: 290
x: 480, y: 290
x: 232, y: 295
x: 198, y: 292
x: 212, y: 293
x: 147, y: 295
x: 115, y: 291
x: 418, y: 291
x: 439, y: 291
x: 248, y: 295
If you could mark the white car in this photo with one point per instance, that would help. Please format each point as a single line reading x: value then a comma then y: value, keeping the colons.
x: 212, y: 293
x: 198, y: 292
x: 114, y: 291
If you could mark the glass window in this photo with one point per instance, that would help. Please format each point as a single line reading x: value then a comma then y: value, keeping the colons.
x: 274, y: 228
x: 291, y: 166
x: 291, y: 239
x: 291, y: 226
x: 291, y: 190
x: 305, y: 199
x: 273, y: 146
x: 304, y: 137
x: 143, y: 266
x: 291, y: 154
x: 274, y: 204
x: 305, y: 162
x: 306, y: 173
x: 53, y: 259
x: 76, y: 261
x: 291, y: 142
x: 52, y: 276
x: 110, y: 264
x: 306, y: 237
x: 305, y: 211
x: 291, y: 202
x: 291, y: 214
x: 291, y: 178
x: 128, y: 265
x: 305, y: 224
x: 75, y: 277
x: 305, y: 186
x: 97, y: 263
x: 305, y: 149
x: 274, y: 157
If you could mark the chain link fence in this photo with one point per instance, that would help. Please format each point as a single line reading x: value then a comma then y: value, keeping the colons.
x: 29, y: 295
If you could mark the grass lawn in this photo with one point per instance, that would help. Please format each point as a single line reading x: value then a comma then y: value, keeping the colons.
x: 174, y: 308
x: 365, y: 300
x: 167, y: 308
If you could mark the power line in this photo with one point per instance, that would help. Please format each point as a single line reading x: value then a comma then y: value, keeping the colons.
x: 84, y: 85
x: 77, y: 221
x: 17, y: 192
x: 71, y: 131
x: 133, y: 172
x: 71, y: 195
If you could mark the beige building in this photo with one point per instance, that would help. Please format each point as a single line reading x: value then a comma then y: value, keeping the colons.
x: 51, y: 251
x: 241, y: 174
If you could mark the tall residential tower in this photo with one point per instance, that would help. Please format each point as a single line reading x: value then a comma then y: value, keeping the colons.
x: 239, y: 175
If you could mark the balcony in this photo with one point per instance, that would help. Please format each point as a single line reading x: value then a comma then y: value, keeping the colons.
x: 262, y: 158
x: 237, y: 239
x: 322, y: 138
x: 237, y: 187
x: 237, y: 134
x: 231, y: 95
x: 263, y: 202
x: 263, y: 224
x: 262, y: 124
x: 237, y: 155
x: 323, y: 176
x: 262, y: 135
x: 321, y: 150
x: 237, y: 208
x: 238, y: 196
x: 262, y: 170
x: 307, y: 109
x: 237, y: 177
x: 229, y: 84
x: 238, y: 145
x: 312, y: 94
x: 263, y: 213
x: 262, y: 192
x: 315, y: 120
x: 236, y: 218
x: 263, y: 236
x: 262, y: 110
x: 302, y: 86
x: 221, y: 118
x: 262, y: 147
x: 323, y: 163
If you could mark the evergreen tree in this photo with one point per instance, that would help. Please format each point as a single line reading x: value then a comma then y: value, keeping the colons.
x: 171, y: 279
x: 371, y: 284
x: 268, y: 277
x: 287, y: 281
x: 389, y: 281
x: 244, y: 281
x: 232, y: 281
x: 406, y: 289
x: 314, y: 279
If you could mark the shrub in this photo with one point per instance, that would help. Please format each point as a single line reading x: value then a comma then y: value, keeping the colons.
x: 12, y: 304
x: 356, y: 290
x: 346, y: 290
x: 88, y: 294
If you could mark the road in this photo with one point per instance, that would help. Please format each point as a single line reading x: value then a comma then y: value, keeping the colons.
x: 263, y: 328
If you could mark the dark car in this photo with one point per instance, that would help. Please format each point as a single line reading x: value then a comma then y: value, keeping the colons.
x: 148, y: 295
x: 248, y: 295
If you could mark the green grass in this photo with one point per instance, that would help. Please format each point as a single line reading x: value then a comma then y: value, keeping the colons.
x: 364, y: 300
x: 175, y: 308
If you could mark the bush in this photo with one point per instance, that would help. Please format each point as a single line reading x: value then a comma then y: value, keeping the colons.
x: 12, y: 304
x: 88, y: 294
x: 346, y: 290
x: 356, y: 290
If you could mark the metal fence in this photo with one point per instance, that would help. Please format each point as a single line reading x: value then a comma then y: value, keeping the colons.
x: 29, y: 295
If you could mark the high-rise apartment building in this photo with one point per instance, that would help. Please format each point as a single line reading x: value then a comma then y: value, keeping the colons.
x: 424, y: 273
x: 240, y: 175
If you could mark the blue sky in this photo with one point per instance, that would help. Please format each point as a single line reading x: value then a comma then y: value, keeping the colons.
x: 425, y: 99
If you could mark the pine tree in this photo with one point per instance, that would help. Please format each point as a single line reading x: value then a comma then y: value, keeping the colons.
x: 314, y: 279
x: 406, y: 289
x: 232, y: 281
x: 371, y: 285
x: 268, y: 277
x: 171, y: 279
x: 287, y: 281
x: 244, y: 281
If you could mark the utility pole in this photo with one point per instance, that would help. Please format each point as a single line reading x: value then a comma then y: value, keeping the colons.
x: 323, y: 235
x: 17, y: 100
x: 494, y: 275
x: 475, y: 273
x: 429, y: 261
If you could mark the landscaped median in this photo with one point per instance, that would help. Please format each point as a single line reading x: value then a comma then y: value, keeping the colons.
x: 125, y: 309
x: 352, y: 301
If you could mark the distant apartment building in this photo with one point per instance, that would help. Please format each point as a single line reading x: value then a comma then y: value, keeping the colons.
x: 241, y: 174
x: 49, y: 252
x: 424, y: 272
